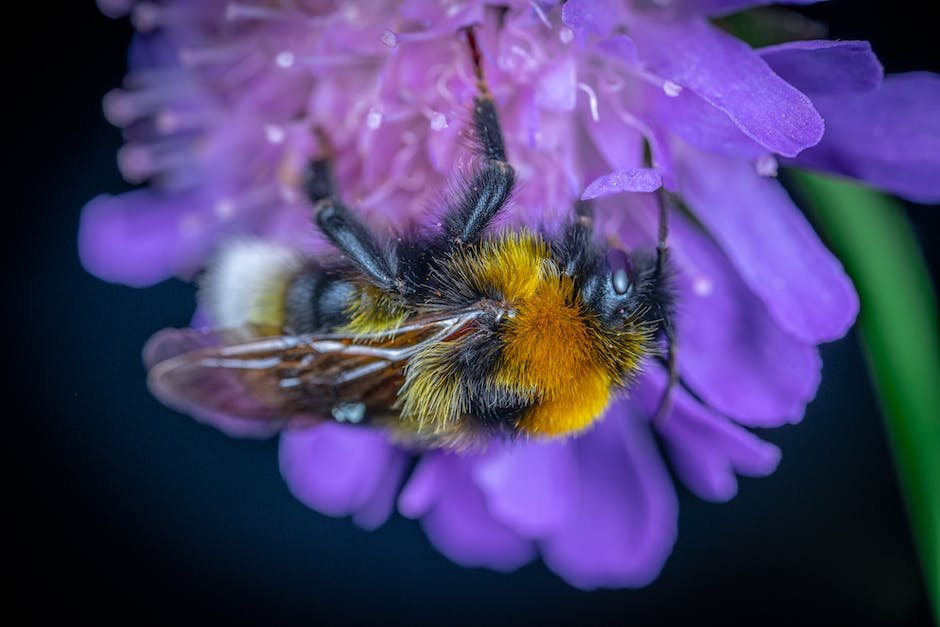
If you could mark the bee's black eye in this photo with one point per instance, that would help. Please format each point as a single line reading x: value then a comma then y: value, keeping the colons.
x: 620, y: 271
x: 620, y: 281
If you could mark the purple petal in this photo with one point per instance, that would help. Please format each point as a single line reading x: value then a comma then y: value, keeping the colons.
x: 624, y: 525
x: 422, y: 488
x: 139, y: 238
x: 889, y: 138
x: 633, y: 180
x: 621, y: 145
x: 592, y: 16
x: 715, y: 7
x: 530, y: 486
x: 557, y: 86
x: 706, y: 449
x: 340, y: 470
x: 734, y: 354
x: 726, y: 73
x: 772, y: 246
x: 456, y: 518
x: 619, y: 47
x: 825, y: 67
x: 696, y: 121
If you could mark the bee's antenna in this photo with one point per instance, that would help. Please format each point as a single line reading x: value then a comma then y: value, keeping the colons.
x: 662, y: 256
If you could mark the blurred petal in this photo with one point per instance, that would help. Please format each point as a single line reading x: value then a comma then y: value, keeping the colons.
x: 340, y: 470
x: 530, y: 486
x: 140, y: 239
x: 380, y: 505
x: 772, y: 246
x: 733, y: 353
x: 624, y: 524
x: 593, y: 16
x: 889, y: 138
x: 633, y: 180
x: 825, y: 67
x: 706, y: 449
x: 456, y: 518
x: 727, y: 74
x: 557, y: 86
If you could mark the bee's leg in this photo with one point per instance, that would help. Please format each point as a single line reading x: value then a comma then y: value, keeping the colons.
x: 352, y: 238
x: 488, y: 190
x: 672, y: 368
x: 669, y: 329
x: 339, y: 224
x: 318, y: 180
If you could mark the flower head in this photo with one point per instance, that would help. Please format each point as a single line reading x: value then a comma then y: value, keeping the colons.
x: 606, y: 100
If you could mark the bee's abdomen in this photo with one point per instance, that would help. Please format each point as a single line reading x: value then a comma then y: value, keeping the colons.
x: 315, y: 301
x: 494, y: 407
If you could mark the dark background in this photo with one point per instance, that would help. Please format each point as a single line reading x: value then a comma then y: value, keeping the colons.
x: 121, y: 508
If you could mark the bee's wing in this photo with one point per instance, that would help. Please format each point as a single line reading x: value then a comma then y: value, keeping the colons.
x: 209, y: 373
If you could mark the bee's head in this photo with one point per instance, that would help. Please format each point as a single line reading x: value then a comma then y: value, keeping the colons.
x: 628, y: 287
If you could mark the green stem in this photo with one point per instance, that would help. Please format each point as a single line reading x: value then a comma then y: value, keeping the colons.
x: 898, y: 324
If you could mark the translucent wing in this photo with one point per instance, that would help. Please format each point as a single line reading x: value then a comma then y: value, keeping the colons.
x: 284, y: 379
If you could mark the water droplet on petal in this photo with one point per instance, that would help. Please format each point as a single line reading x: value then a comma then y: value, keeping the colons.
x: 672, y: 89
x: 373, y: 119
x: 274, y: 133
x: 438, y: 121
x: 766, y: 165
x: 566, y: 35
x: 285, y: 59
x: 389, y: 39
x: 703, y: 286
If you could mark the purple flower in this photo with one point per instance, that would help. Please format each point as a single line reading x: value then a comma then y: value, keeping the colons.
x: 218, y: 110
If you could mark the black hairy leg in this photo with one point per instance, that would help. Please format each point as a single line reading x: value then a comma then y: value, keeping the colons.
x: 339, y: 224
x: 318, y: 181
x: 352, y: 238
x: 669, y: 330
x: 486, y: 193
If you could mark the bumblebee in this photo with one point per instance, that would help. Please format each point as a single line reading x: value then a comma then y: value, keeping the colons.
x: 442, y: 338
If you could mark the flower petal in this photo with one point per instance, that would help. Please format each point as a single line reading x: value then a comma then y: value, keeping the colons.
x: 140, y: 238
x: 889, y: 138
x: 633, y: 180
x: 626, y: 151
x: 726, y: 73
x: 592, y: 16
x: 825, y: 67
x: 456, y: 518
x: 340, y: 470
x: 624, y: 524
x: 557, y: 86
x: 706, y: 449
x: 733, y: 353
x: 772, y: 246
x: 530, y: 486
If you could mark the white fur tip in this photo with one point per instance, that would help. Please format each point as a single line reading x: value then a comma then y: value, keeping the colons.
x: 243, y: 273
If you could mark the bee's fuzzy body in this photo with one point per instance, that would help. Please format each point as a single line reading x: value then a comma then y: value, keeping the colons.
x: 543, y: 359
x: 440, y: 338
